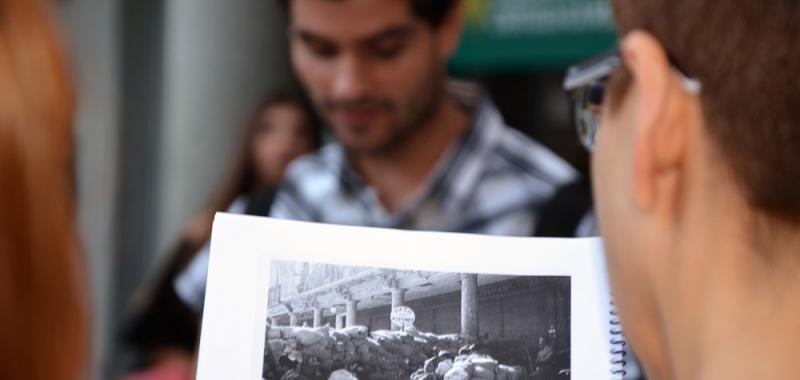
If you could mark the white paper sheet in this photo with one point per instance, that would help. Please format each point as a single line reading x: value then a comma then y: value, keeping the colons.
x: 243, y: 249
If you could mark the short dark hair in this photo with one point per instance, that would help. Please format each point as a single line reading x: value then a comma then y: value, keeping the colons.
x: 746, y: 54
x: 432, y: 12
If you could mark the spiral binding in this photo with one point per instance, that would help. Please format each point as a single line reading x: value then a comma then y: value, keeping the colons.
x: 617, y: 342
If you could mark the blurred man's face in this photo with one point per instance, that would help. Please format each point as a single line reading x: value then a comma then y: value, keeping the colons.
x: 374, y: 70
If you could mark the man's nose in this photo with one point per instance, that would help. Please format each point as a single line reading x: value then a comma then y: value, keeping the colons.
x: 352, y: 79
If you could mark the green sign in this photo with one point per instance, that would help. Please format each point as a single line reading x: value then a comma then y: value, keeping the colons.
x: 503, y: 35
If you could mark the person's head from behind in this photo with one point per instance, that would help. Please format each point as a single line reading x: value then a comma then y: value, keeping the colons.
x: 282, y: 130
x: 696, y: 170
x: 375, y: 69
x: 42, y: 325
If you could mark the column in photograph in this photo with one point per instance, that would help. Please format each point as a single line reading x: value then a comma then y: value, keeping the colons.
x: 317, y: 317
x: 469, y: 305
x: 398, y: 299
x: 340, y: 321
x: 293, y: 318
x: 352, y: 311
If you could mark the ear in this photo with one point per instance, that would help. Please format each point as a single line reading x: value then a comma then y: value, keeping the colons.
x: 449, y: 33
x: 660, y: 135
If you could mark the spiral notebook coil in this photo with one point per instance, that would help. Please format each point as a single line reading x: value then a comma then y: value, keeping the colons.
x: 617, y: 343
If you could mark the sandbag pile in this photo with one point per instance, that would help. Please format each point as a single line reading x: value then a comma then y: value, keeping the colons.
x: 467, y: 367
x: 377, y: 356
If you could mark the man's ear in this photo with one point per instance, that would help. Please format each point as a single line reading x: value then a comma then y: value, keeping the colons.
x: 449, y: 32
x: 659, y: 136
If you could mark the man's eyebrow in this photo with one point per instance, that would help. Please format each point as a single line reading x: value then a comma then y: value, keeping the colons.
x: 307, y: 35
x: 398, y: 32
x: 394, y: 32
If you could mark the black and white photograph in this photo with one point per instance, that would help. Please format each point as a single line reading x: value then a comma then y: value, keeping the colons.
x: 329, y: 321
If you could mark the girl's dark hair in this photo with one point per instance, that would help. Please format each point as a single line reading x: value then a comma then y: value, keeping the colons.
x: 160, y: 319
x: 431, y: 11
x: 242, y: 176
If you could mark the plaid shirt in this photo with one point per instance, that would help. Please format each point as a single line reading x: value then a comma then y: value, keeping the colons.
x: 490, y: 182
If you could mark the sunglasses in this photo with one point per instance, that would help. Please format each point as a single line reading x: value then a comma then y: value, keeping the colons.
x: 586, y: 83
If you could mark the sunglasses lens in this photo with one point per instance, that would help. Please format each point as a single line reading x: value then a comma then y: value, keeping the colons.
x: 586, y: 83
x: 587, y: 104
x: 596, y: 92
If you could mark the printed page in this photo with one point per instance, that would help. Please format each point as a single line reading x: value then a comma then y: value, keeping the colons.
x: 293, y: 300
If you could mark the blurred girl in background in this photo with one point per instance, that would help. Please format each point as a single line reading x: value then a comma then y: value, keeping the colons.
x: 282, y: 129
x: 43, y: 322
x: 165, y: 324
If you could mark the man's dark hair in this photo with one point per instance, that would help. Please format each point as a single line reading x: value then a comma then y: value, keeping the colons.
x: 746, y: 54
x: 431, y: 11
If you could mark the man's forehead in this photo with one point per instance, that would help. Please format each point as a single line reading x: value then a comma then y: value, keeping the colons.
x: 350, y: 20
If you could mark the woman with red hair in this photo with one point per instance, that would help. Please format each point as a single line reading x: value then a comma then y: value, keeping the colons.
x: 43, y: 329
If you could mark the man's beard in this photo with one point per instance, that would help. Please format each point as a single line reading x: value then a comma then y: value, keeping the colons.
x: 420, y: 108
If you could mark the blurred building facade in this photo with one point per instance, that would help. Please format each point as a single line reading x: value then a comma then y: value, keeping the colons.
x: 164, y: 89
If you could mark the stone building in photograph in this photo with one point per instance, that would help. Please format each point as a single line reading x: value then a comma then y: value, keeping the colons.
x: 493, y: 308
